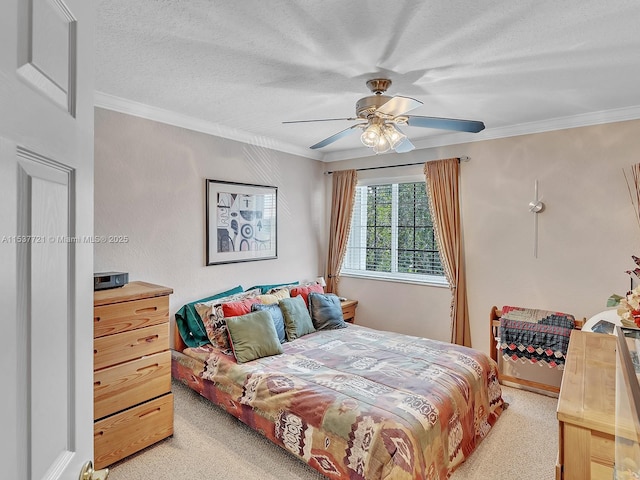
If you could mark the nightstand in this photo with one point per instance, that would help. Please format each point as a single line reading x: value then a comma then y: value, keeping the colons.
x: 133, y: 403
x: 349, y: 310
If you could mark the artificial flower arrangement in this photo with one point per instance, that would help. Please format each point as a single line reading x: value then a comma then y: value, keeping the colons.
x: 629, y: 309
x: 629, y: 305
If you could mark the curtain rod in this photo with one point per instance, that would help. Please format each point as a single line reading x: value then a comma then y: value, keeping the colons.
x: 460, y: 159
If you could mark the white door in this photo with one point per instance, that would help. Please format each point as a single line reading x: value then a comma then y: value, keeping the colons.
x: 46, y: 223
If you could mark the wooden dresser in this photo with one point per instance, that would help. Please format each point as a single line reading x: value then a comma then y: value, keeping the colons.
x: 586, y: 408
x: 133, y: 403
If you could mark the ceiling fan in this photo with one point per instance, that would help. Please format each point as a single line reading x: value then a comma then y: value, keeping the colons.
x: 380, y: 115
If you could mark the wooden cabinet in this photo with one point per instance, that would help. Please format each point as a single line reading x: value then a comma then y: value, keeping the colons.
x: 586, y: 408
x: 349, y: 310
x: 133, y: 403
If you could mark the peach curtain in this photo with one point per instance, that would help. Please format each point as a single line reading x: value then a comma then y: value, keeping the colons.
x: 343, y: 198
x: 442, y: 179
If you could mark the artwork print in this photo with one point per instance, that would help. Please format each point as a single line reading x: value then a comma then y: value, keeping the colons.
x: 241, y: 222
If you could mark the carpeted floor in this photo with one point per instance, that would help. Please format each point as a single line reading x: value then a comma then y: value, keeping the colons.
x: 208, y: 443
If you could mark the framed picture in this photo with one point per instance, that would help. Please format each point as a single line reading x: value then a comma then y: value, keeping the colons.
x: 241, y: 222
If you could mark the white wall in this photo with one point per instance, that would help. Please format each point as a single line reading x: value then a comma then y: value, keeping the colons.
x: 587, y: 233
x: 150, y: 186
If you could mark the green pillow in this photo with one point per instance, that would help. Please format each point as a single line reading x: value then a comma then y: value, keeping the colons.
x: 253, y: 336
x: 190, y: 324
x: 297, y: 321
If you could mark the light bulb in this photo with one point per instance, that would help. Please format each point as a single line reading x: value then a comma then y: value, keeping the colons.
x: 382, y: 145
x: 371, y: 135
x: 394, y: 136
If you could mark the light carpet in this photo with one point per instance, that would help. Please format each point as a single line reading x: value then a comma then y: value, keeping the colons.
x: 208, y: 443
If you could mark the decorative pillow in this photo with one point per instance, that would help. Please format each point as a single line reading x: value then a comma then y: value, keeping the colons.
x: 205, y: 307
x: 326, y: 312
x: 275, y: 286
x: 276, y: 316
x: 253, y: 336
x: 214, y: 321
x: 305, y: 290
x: 297, y: 321
x: 239, y: 307
x: 189, y: 321
x: 275, y: 297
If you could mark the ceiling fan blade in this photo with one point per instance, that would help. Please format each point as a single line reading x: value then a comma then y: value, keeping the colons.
x: 405, y: 146
x: 336, y: 136
x: 445, y: 123
x: 398, y: 105
x: 321, y: 120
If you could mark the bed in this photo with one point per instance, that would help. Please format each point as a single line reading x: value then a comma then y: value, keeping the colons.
x: 356, y: 403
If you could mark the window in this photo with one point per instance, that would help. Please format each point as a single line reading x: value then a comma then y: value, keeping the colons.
x: 392, y: 235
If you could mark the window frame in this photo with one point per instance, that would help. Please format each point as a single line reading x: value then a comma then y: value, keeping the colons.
x: 394, y: 276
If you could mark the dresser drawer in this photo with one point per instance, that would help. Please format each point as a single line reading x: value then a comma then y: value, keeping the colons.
x: 122, y: 347
x: 120, y: 317
x: 124, y: 433
x: 131, y: 383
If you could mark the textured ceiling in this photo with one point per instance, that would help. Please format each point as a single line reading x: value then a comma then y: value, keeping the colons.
x: 241, y: 68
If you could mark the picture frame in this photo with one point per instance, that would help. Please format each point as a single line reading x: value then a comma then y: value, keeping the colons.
x: 241, y: 222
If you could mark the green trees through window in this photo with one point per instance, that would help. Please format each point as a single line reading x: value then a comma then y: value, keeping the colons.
x: 392, y: 232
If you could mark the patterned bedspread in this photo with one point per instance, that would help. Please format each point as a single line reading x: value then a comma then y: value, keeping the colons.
x: 358, y: 403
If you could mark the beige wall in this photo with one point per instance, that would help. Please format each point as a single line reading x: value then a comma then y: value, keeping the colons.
x: 150, y: 186
x: 586, y: 237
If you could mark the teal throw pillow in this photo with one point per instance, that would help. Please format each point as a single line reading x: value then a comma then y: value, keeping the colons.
x: 297, y: 321
x: 266, y: 288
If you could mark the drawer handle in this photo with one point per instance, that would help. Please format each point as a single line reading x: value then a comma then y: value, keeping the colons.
x: 96, y: 319
x: 146, y: 414
x: 146, y: 310
x: 148, y: 367
x: 97, y: 384
x: 95, y: 352
x: 149, y: 339
x: 98, y: 434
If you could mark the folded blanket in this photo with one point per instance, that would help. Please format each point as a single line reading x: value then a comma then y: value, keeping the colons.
x: 537, y: 336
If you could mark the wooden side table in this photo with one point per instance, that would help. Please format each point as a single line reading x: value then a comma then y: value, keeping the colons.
x: 349, y: 310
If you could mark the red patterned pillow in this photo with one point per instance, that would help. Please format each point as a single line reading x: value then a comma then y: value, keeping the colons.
x: 239, y: 307
x: 305, y: 290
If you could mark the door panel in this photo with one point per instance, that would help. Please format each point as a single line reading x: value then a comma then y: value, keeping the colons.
x: 44, y: 191
x: 46, y: 223
x: 47, y: 53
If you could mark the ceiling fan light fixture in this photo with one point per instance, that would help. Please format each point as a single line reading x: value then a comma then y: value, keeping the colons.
x: 393, y: 135
x: 383, y: 145
x: 380, y: 115
x: 371, y: 135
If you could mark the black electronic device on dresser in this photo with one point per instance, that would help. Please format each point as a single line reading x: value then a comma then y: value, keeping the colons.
x: 105, y: 280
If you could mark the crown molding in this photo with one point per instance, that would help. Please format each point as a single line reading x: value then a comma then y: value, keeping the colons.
x: 137, y: 109
x: 130, y: 107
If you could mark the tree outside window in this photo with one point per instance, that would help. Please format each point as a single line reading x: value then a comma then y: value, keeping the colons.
x: 392, y: 234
